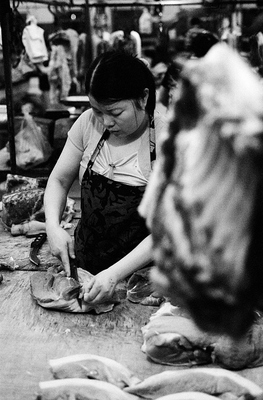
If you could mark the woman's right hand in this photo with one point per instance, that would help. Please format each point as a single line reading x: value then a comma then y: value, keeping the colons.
x: 61, y: 246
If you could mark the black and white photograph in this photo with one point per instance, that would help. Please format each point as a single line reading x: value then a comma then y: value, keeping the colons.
x: 131, y: 200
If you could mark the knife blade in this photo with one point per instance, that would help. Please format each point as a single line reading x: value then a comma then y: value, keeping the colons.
x: 73, y: 270
x: 35, y: 247
x: 74, y: 275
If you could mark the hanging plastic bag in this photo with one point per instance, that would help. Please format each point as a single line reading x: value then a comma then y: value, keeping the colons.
x: 32, y: 147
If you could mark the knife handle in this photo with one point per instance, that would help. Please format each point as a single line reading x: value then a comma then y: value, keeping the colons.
x: 39, y: 240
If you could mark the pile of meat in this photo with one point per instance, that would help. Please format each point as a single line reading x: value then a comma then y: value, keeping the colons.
x: 54, y: 290
x: 204, y: 200
x: 91, y: 377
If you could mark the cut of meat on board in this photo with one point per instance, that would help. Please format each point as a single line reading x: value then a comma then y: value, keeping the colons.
x: 213, y: 381
x: 55, y: 290
x: 92, y: 377
x: 90, y: 366
x: 174, y: 339
x: 84, y: 389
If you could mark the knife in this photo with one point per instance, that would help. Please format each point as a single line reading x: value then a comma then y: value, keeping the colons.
x: 74, y: 275
x: 35, y: 246
x: 73, y: 269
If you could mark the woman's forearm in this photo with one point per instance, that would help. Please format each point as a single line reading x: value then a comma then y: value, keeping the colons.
x: 54, y: 202
x: 138, y: 258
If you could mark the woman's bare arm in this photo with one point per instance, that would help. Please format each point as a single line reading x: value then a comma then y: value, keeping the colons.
x: 58, y: 186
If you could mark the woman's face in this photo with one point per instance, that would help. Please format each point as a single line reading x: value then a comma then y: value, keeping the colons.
x: 122, y: 118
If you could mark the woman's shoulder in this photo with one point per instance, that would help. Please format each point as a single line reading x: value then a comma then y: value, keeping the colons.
x: 86, y: 117
x: 85, y: 129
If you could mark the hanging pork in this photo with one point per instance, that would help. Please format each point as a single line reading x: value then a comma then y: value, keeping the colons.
x: 204, y: 203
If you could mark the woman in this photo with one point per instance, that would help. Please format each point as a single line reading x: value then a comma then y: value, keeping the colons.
x: 112, y: 148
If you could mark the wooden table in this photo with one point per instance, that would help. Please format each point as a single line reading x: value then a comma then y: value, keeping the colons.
x: 30, y: 335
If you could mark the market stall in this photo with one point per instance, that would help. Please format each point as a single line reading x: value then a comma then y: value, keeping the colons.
x: 42, y: 319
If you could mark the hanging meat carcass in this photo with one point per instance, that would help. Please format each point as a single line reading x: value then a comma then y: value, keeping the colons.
x: 204, y: 203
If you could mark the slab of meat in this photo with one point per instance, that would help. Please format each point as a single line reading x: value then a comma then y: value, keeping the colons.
x: 22, y: 199
x: 213, y: 381
x: 203, y: 203
x: 92, y: 377
x: 23, y: 203
x: 20, y: 206
x: 173, y: 338
x: 89, y: 366
x: 84, y: 389
x: 55, y: 290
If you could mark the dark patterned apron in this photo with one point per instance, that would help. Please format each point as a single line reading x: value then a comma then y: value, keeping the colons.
x: 110, y: 226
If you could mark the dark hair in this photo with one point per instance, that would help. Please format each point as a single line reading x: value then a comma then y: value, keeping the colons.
x: 202, y: 42
x: 118, y: 75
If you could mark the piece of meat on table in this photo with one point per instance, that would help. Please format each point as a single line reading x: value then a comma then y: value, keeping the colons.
x: 55, y: 290
x: 172, y: 338
x: 84, y: 389
x: 213, y: 381
x: 89, y: 366
x: 204, y: 200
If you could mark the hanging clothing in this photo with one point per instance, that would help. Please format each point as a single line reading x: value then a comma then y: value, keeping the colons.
x: 62, y: 64
x: 59, y: 74
x: 34, y: 42
x: 129, y: 41
x: 110, y: 226
x: 74, y: 42
x: 100, y: 43
x: 81, y: 61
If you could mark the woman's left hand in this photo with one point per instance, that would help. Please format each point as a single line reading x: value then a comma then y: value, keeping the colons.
x: 100, y: 288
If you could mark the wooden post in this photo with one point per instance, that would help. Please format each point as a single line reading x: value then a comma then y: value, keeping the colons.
x: 6, y: 40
